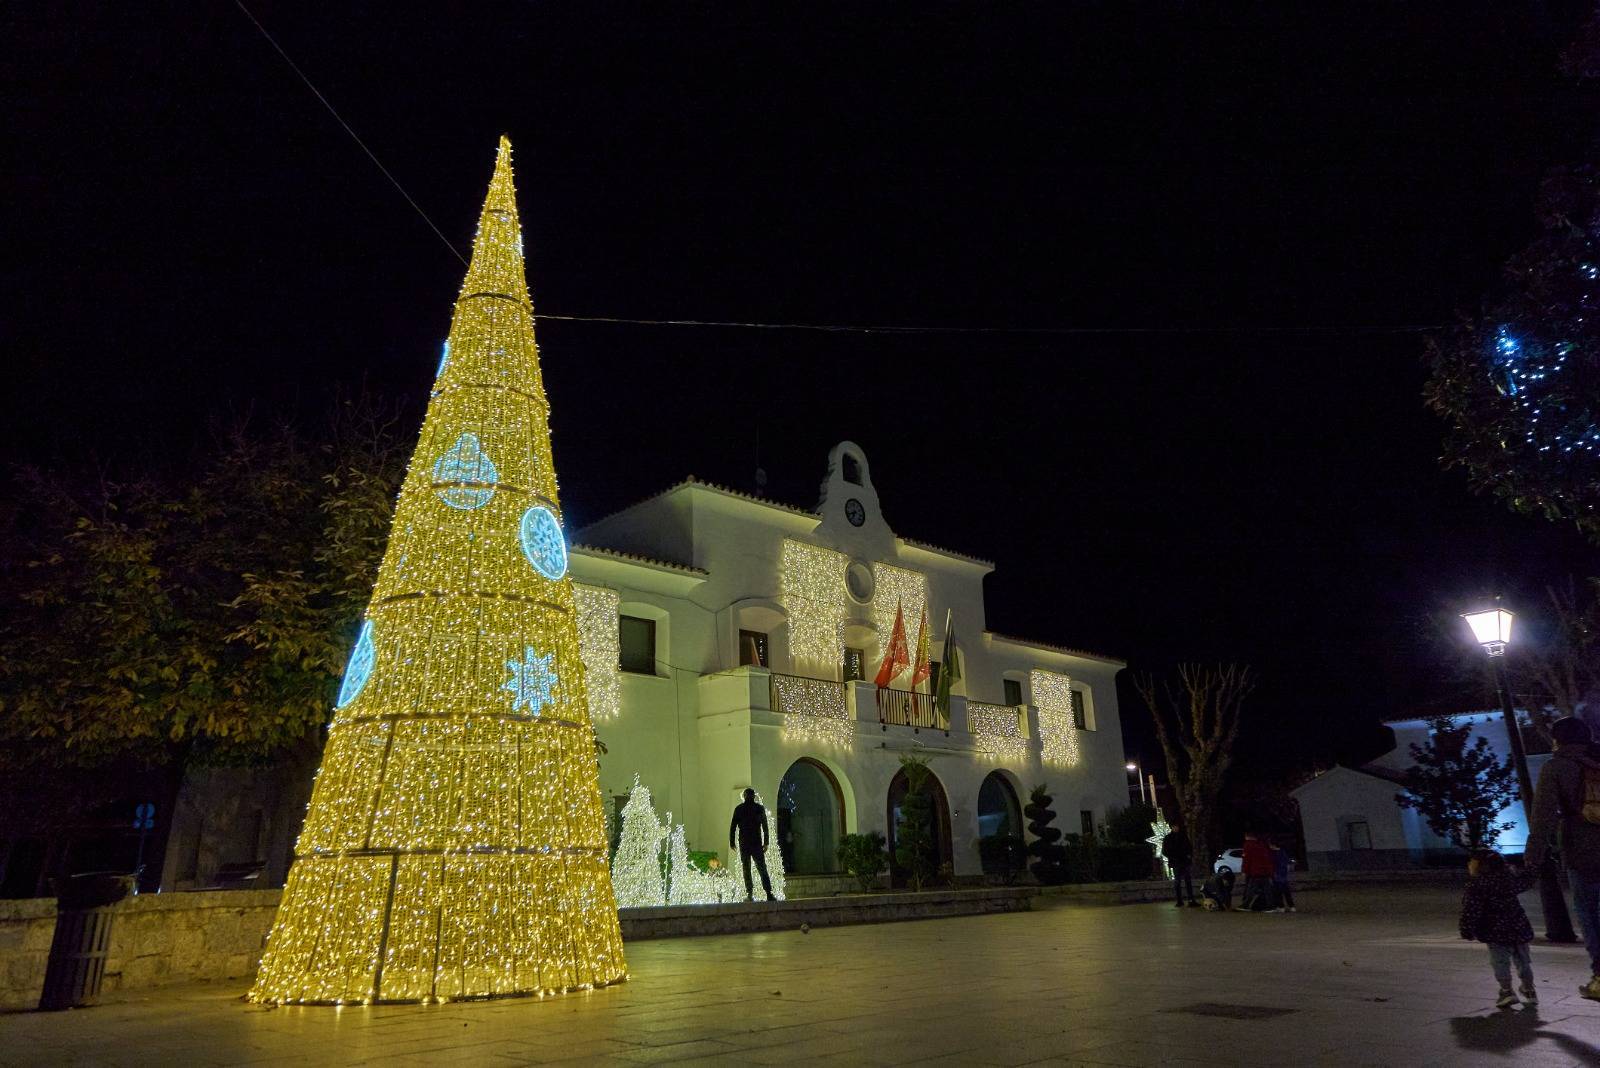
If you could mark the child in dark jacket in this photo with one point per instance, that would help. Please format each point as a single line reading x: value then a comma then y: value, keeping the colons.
x: 1491, y: 913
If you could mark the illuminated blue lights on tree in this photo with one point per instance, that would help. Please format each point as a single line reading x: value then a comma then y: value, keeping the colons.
x: 359, y: 669
x: 542, y: 542
x: 465, y: 477
x: 532, y: 682
x: 444, y: 358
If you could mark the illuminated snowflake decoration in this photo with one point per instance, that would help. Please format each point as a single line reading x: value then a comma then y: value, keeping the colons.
x: 542, y: 542
x: 359, y: 669
x: 532, y: 683
x: 465, y: 477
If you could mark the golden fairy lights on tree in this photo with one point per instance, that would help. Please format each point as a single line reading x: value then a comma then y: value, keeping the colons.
x: 455, y: 844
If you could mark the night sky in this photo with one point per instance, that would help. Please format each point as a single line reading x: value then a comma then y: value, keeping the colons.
x: 1262, y: 208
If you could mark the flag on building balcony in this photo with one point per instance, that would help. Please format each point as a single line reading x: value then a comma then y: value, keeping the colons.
x: 897, y: 656
x: 920, y: 667
x: 949, y: 664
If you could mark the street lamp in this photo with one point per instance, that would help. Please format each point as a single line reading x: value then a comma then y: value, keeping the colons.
x: 1492, y: 630
x: 1133, y: 767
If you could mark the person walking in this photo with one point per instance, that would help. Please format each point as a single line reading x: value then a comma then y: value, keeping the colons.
x: 1491, y: 913
x: 1179, y: 855
x: 1256, y: 867
x: 749, y: 826
x: 1280, y: 879
x: 1567, y: 800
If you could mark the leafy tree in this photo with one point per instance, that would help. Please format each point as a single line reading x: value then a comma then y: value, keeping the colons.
x: 864, y: 856
x: 1197, y: 723
x: 913, y: 833
x: 1460, y: 789
x: 208, y: 620
x: 1049, y: 855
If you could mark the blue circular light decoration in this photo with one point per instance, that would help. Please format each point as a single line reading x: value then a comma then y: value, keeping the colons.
x: 542, y: 542
x: 465, y: 477
x: 359, y: 669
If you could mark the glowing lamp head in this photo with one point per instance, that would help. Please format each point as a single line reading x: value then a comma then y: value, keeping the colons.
x: 1131, y: 767
x: 1491, y: 629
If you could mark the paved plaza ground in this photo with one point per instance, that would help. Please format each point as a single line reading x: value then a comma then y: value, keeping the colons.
x: 1360, y: 977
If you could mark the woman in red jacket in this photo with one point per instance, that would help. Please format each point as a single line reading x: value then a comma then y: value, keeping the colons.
x: 1256, y: 868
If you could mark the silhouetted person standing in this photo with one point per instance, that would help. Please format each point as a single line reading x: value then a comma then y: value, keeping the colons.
x: 749, y: 831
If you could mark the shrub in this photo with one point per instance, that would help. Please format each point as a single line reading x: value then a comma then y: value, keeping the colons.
x: 1124, y: 862
x: 913, y: 837
x: 1003, y: 855
x: 1131, y: 825
x: 1049, y: 864
x: 863, y: 856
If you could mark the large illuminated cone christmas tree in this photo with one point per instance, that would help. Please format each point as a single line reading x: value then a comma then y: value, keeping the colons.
x: 454, y: 845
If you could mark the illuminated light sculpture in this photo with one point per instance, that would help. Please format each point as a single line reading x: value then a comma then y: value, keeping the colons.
x: 1058, y: 732
x: 814, y: 710
x: 812, y: 580
x: 599, y: 645
x: 543, y: 543
x: 465, y: 477
x: 773, y: 855
x: 1158, y: 834
x: 997, y: 730
x: 636, y: 869
x: 897, y: 588
x: 359, y: 669
x: 455, y: 846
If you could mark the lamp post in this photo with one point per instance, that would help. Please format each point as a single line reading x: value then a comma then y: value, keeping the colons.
x: 1492, y: 629
x: 1133, y: 766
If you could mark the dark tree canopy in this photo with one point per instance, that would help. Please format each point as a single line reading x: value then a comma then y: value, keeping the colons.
x: 1519, y: 385
x: 162, y: 618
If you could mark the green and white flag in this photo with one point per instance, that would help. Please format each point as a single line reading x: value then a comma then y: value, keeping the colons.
x: 949, y: 664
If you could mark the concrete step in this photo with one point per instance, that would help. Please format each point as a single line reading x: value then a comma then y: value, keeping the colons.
x: 837, y: 911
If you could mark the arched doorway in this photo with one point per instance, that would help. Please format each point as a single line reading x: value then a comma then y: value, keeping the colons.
x: 810, y: 819
x: 999, y: 813
x: 939, y: 823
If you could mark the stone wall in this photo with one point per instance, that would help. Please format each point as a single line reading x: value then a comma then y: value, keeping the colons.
x: 25, y: 930
x: 155, y: 939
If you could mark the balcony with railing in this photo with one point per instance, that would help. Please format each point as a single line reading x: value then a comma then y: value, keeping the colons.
x: 830, y: 711
x: 904, y: 708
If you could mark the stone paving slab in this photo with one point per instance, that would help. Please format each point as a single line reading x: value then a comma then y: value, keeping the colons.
x: 1370, y: 976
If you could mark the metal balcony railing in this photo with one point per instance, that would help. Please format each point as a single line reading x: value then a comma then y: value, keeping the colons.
x: 901, y: 708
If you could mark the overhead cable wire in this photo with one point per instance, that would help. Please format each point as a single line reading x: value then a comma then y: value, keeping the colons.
x: 829, y: 328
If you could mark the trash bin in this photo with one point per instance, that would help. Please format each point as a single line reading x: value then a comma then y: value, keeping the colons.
x: 85, y: 906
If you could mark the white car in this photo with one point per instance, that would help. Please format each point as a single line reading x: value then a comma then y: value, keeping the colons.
x: 1233, y: 860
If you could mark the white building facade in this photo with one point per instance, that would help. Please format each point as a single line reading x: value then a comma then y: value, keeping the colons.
x: 731, y: 642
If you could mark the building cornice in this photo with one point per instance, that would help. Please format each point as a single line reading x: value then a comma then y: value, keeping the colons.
x: 1060, y: 650
x: 594, y: 565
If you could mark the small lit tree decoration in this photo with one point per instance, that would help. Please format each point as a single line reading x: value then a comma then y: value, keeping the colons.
x: 454, y: 845
x: 636, y: 869
x: 773, y: 854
